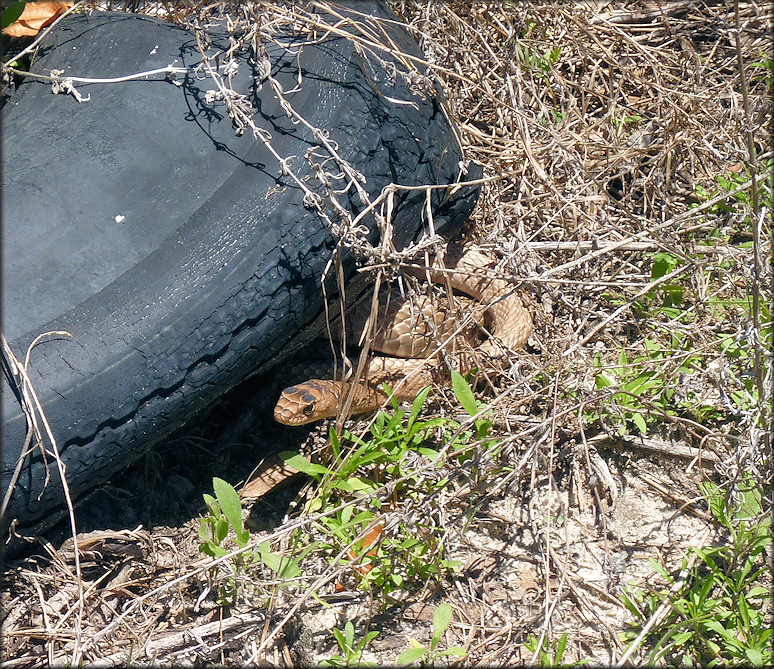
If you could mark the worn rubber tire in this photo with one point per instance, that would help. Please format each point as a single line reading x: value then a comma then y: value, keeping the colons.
x: 172, y: 250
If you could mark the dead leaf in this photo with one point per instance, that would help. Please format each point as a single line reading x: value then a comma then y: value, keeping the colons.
x: 35, y: 17
x: 368, y: 541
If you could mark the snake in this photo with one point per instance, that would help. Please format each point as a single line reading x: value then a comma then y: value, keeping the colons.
x: 406, y: 335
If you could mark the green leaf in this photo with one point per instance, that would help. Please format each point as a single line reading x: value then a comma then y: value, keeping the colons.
x: 639, y: 421
x: 357, y: 483
x: 349, y: 635
x: 344, y: 486
x: 718, y: 628
x: 631, y: 606
x: 454, y: 650
x: 754, y: 656
x: 335, y: 444
x: 346, y: 514
x: 641, y: 383
x: 743, y: 610
x: 441, y: 620
x: 204, y: 531
x: 716, y: 501
x: 561, y: 645
x: 212, y: 550
x: 231, y: 505
x: 221, y: 530
x: 368, y: 638
x: 680, y: 638
x: 430, y: 453
x: 603, y: 380
x: 411, y: 655
x: 11, y: 13
x: 757, y: 591
x: 340, y: 639
x: 751, y: 503
x: 663, y: 264
x: 212, y: 504
x: 464, y: 394
x: 660, y: 569
x: 416, y: 407
x: 302, y: 464
x: 282, y: 566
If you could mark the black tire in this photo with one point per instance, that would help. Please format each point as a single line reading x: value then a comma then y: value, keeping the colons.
x: 172, y: 250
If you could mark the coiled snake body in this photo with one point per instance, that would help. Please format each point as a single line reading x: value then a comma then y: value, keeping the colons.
x: 411, y: 330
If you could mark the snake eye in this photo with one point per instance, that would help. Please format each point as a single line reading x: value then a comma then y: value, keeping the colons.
x: 309, y: 400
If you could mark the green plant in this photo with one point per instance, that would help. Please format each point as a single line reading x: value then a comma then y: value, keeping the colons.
x: 665, y: 298
x: 536, y: 59
x: 401, y: 450
x: 628, y: 119
x: 224, y: 515
x: 766, y: 63
x: 549, y: 654
x: 714, y: 616
x: 351, y: 652
x: 638, y: 389
x: 419, y: 653
x: 729, y: 183
x: 225, y: 512
x: 642, y: 390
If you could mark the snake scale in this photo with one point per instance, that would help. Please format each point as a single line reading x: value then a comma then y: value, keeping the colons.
x: 407, y: 334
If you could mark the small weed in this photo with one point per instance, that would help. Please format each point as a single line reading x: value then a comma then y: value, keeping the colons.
x: 642, y: 389
x: 419, y: 653
x: 351, y: 652
x: 729, y: 183
x: 639, y: 388
x: 664, y: 299
x: 539, y: 61
x: 766, y: 63
x: 225, y: 514
x: 550, y: 654
x: 623, y: 121
x: 716, y: 617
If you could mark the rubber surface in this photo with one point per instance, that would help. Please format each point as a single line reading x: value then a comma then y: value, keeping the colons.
x: 174, y: 252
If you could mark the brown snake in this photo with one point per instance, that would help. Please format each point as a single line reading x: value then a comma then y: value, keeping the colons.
x: 405, y: 329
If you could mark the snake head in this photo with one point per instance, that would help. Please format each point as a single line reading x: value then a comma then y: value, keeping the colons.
x: 306, y: 403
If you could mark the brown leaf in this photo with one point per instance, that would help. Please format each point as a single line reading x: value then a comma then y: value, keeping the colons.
x: 35, y: 17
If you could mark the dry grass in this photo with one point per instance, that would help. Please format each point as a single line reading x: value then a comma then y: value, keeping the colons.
x: 603, y: 129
